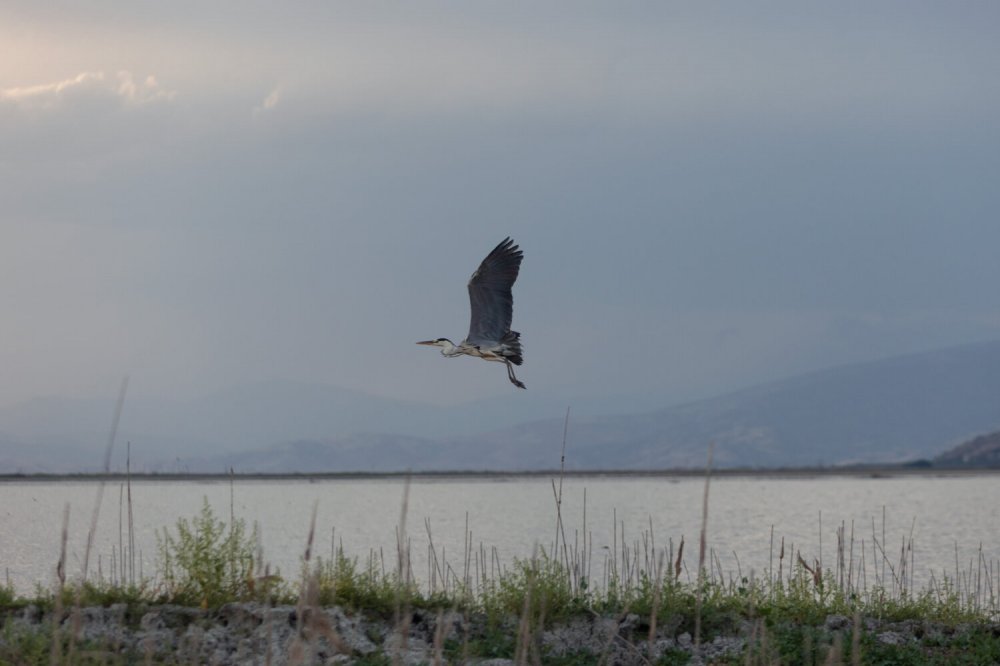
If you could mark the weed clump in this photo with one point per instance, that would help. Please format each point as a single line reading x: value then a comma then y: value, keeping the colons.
x: 341, y: 583
x: 207, y: 563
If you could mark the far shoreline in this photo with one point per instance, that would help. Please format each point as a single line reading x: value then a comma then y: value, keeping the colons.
x: 860, y: 471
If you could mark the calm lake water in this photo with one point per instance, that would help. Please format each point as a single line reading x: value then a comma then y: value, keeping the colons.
x: 516, y: 516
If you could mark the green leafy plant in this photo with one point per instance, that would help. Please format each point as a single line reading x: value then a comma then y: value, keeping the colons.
x: 7, y: 595
x: 206, y: 562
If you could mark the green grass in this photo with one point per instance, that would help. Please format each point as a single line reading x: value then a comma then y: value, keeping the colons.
x: 342, y: 583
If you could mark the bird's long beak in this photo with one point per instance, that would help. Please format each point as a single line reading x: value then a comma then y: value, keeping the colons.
x: 426, y: 342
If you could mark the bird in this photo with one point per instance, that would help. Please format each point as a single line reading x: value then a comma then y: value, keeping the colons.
x: 492, y: 303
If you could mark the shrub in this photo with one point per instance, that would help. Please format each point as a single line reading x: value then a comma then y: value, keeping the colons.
x: 207, y: 563
x: 7, y: 595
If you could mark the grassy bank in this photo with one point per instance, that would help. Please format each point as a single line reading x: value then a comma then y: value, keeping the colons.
x: 637, y: 603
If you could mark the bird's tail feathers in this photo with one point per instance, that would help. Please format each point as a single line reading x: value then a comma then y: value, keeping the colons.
x: 512, y: 347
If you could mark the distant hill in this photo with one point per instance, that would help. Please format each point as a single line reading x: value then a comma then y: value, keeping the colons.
x: 367, y: 452
x: 891, y: 410
x: 57, y: 434
x: 982, y: 451
x: 894, y: 410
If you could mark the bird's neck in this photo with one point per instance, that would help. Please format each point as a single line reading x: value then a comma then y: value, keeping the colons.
x: 448, y: 348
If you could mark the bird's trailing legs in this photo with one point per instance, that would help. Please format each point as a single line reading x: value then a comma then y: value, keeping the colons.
x: 510, y: 375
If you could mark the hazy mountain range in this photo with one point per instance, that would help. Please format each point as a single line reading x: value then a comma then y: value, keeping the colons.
x: 981, y: 451
x: 897, y: 409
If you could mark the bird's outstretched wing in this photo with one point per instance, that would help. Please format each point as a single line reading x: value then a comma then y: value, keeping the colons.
x: 489, y: 293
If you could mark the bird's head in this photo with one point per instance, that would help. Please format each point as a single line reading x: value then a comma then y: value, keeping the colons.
x: 445, y: 344
x: 438, y: 342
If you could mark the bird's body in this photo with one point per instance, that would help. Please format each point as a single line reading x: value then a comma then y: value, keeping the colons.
x: 492, y: 304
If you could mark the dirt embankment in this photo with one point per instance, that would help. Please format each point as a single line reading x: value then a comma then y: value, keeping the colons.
x: 240, y: 634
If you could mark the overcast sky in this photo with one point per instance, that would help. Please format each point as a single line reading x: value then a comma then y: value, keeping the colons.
x: 708, y: 195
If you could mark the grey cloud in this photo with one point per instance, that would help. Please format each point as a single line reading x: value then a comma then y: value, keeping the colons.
x: 83, y: 88
x: 706, y: 197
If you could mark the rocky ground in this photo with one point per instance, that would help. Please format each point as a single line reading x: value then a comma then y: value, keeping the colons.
x: 278, y: 635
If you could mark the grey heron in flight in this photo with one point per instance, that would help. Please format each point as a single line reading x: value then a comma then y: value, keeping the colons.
x: 490, y: 337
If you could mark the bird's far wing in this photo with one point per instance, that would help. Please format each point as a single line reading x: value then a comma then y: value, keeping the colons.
x: 489, y: 293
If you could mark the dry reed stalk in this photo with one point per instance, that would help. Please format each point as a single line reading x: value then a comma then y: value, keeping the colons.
x: 856, y: 640
x: 558, y: 494
x: 575, y: 573
x: 718, y: 566
x: 131, y: 522
x: 465, y: 637
x: 819, y: 562
x: 791, y: 562
x: 560, y: 530
x: 269, y: 627
x: 658, y: 584
x: 296, y: 653
x: 534, y: 644
x: 614, y: 543
x: 987, y: 571
x: 878, y: 582
x: 840, y: 557
x: 912, y: 558
x: 402, y: 601
x: 750, y: 643
x: 481, y: 569
x: 807, y: 649
x: 701, y: 549
x: 319, y: 624
x: 433, y: 564
x: 297, y: 647
x: 523, y: 629
x: 680, y: 558
x: 763, y: 639
x: 106, y: 468
x: 78, y: 601
x: 770, y: 560
x: 850, y: 568
x: 55, y: 653
x: 835, y: 655
x: 583, y: 558
x: 804, y: 565
x: 149, y: 644
x: 438, y: 638
x: 885, y: 560
x: 781, y: 559
x: 864, y: 569
x: 648, y: 545
x: 614, y: 635
x: 314, y: 624
x: 467, y: 583
x: 121, y: 542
